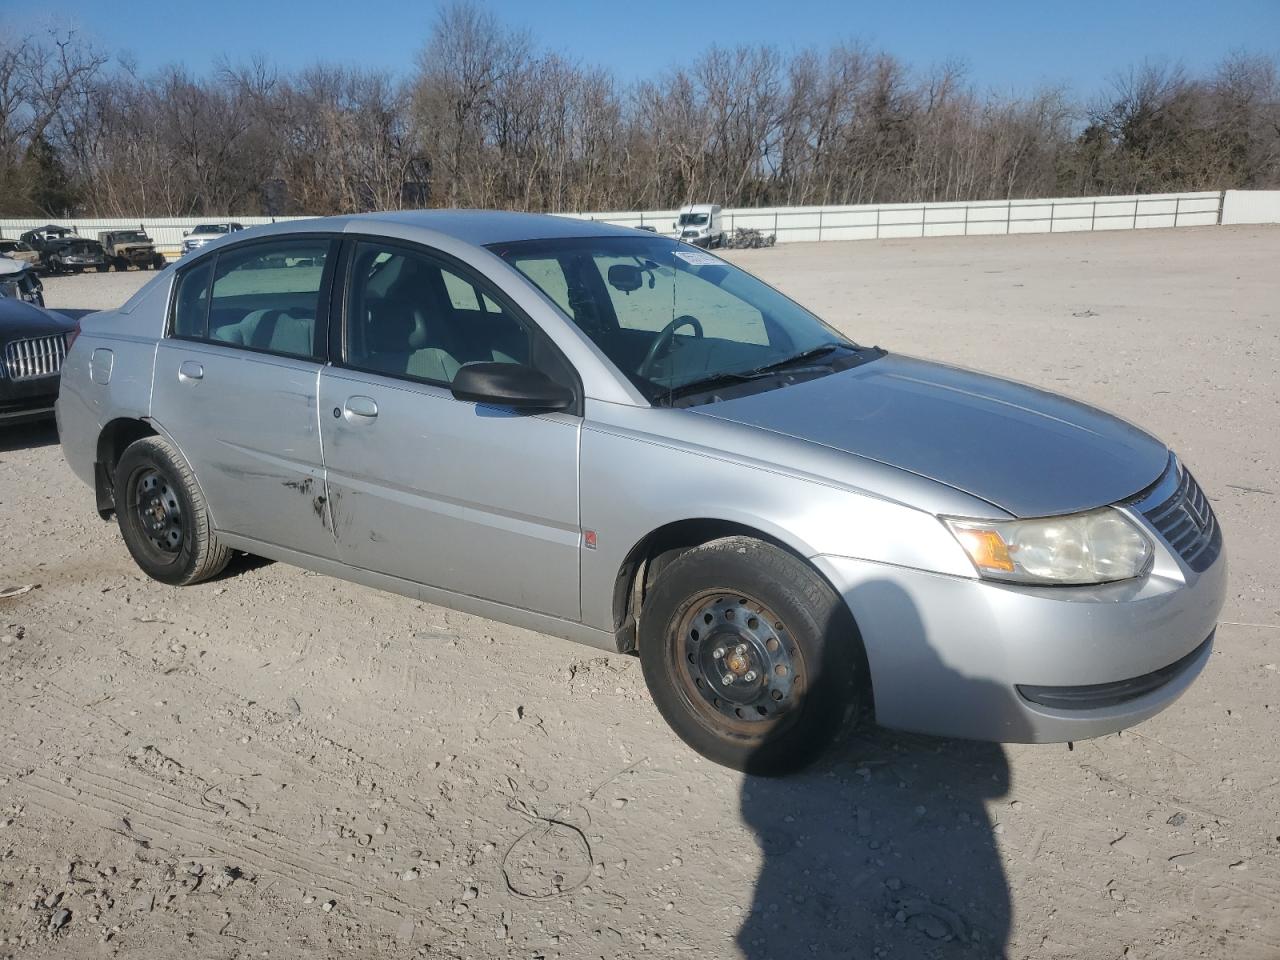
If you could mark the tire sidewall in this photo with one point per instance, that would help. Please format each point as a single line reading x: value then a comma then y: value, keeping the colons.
x: 137, y: 459
x: 817, y: 622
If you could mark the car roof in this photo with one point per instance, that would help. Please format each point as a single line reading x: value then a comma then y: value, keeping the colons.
x: 478, y: 227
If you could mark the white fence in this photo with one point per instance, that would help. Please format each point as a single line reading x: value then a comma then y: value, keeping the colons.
x: 887, y: 220
x: 862, y: 222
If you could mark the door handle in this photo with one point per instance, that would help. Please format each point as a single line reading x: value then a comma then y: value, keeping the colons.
x: 189, y: 370
x: 360, y: 410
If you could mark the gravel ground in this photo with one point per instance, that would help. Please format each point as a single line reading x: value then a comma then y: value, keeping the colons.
x: 279, y: 764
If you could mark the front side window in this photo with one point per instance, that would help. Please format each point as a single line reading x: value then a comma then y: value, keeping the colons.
x: 673, y: 319
x: 267, y: 296
x: 409, y: 315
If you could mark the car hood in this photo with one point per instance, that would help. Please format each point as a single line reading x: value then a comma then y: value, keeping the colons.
x: 1029, y: 452
x: 19, y: 319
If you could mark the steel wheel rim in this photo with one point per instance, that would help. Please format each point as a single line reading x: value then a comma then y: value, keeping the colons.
x: 159, y: 512
x: 737, y: 664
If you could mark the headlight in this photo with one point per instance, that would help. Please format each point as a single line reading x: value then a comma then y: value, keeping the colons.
x: 1094, y: 547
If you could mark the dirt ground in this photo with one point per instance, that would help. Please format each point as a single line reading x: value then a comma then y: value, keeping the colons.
x: 278, y: 764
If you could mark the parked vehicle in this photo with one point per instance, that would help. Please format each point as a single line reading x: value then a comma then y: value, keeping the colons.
x: 17, y: 250
x: 33, y: 343
x: 205, y: 232
x: 19, y: 281
x: 701, y: 224
x: 611, y: 437
x: 126, y: 248
x: 62, y: 250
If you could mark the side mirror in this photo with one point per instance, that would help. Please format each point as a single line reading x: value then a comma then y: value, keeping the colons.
x: 510, y: 385
x: 625, y: 277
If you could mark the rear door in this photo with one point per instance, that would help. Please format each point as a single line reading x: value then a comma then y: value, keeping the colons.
x: 235, y: 386
x: 473, y: 499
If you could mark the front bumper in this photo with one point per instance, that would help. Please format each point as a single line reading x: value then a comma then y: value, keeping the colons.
x: 948, y: 655
x: 24, y: 400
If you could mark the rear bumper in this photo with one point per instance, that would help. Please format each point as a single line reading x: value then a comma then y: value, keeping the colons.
x: 961, y: 657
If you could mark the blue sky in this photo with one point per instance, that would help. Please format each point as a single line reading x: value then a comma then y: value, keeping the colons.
x: 1007, y: 46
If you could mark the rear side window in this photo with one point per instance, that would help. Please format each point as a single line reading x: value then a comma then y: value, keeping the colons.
x: 191, y: 300
x: 267, y: 296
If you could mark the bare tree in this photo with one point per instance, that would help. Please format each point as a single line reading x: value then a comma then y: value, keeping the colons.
x: 487, y: 119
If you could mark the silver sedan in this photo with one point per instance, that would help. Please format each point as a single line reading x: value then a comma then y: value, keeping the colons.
x: 609, y: 436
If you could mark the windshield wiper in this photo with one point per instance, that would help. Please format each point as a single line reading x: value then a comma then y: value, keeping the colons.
x: 757, y: 373
x: 804, y: 356
x: 714, y: 380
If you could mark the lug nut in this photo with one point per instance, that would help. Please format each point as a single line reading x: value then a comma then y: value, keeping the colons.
x: 727, y: 679
x: 740, y: 649
x: 718, y: 653
x: 750, y: 675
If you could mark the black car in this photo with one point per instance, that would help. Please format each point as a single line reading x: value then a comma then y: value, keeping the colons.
x: 62, y: 250
x: 33, y: 344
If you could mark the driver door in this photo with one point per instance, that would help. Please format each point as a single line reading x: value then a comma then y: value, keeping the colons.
x: 469, y: 498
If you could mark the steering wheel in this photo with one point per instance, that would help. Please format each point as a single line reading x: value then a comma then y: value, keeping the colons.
x: 662, y: 343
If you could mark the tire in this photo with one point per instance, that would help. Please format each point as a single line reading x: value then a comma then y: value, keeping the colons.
x: 751, y: 657
x: 162, y: 515
x: 103, y: 268
x: 121, y: 265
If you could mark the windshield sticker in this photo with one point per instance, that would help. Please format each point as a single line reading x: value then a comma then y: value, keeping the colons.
x: 697, y: 258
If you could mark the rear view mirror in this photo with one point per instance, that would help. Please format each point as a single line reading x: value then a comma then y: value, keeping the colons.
x: 510, y: 385
x: 625, y: 277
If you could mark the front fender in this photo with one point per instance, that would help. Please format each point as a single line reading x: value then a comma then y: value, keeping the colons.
x: 633, y: 484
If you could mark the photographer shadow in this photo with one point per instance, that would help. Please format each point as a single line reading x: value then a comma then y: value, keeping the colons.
x: 885, y: 847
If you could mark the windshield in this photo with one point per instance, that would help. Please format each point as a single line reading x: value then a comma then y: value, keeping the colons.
x: 212, y: 228
x: 130, y: 236
x: 692, y: 219
x: 671, y: 317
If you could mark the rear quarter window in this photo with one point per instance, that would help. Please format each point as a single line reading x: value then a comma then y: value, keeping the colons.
x: 191, y: 300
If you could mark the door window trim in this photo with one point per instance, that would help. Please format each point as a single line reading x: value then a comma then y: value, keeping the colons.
x: 324, y: 296
x: 343, y: 291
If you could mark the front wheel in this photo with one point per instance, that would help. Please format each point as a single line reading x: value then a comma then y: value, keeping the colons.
x: 750, y: 656
x: 162, y: 515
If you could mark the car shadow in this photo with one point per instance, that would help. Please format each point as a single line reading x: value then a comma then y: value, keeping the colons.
x: 28, y: 436
x: 242, y: 563
x: 885, y: 847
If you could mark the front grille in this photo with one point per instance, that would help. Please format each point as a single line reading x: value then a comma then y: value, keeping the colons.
x: 34, y: 357
x: 1186, y: 521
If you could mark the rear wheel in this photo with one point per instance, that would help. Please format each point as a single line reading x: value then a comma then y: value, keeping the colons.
x: 162, y: 515
x: 751, y: 657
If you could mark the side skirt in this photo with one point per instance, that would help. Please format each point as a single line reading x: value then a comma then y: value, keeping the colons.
x: 490, y: 609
